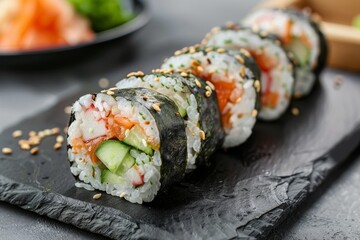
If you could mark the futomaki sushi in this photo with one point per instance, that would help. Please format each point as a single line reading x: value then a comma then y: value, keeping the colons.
x: 301, y: 36
x: 277, y: 72
x: 234, y: 76
x: 130, y: 143
x: 199, y: 111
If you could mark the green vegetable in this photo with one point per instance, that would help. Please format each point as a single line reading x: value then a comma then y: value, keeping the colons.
x: 102, y: 14
x: 112, y: 153
x: 111, y: 178
x: 136, y: 138
x: 356, y: 22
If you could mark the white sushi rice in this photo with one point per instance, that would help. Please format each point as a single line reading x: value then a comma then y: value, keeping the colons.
x: 90, y: 175
x: 225, y: 67
x: 174, y: 88
x: 281, y: 74
x: 275, y: 23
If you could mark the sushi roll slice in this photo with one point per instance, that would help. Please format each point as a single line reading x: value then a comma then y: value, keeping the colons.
x: 277, y: 72
x: 130, y: 143
x: 199, y: 111
x: 235, y: 78
x: 301, y: 36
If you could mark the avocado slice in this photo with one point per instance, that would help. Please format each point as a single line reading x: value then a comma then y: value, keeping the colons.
x: 112, y: 153
x: 137, y: 139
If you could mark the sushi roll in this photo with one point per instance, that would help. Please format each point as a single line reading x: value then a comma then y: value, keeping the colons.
x: 301, y: 36
x: 277, y: 72
x: 199, y: 111
x: 235, y: 78
x: 130, y: 143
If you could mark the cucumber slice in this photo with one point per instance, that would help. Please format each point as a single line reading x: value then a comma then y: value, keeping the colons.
x: 112, y: 153
x: 112, y: 178
x: 126, y: 164
x: 300, y: 51
x: 136, y: 138
x: 182, y: 112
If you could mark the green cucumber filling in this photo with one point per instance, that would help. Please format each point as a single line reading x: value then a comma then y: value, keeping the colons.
x: 301, y: 52
x: 116, y: 156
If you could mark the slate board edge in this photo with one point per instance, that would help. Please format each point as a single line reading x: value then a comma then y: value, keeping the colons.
x: 93, y: 216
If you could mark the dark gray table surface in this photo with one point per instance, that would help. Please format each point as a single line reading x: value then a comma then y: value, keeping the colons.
x: 331, y: 212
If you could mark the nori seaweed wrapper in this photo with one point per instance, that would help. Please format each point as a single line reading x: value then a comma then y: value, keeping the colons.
x: 173, y: 148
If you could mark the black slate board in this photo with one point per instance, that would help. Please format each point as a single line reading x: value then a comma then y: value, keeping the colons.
x: 245, y: 192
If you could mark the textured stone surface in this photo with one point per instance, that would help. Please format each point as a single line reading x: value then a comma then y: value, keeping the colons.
x: 244, y: 193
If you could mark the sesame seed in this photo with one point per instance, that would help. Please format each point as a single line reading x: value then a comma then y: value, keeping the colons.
x: 59, y: 139
x: 7, y: 151
x: 157, y: 79
x: 140, y: 73
x: 240, y: 115
x: 202, y: 135
x: 263, y: 33
x: 240, y: 59
x: 156, y: 107
x: 67, y: 109
x: 198, y: 83
x: 57, y: 146
x: 47, y: 132
x: 17, y: 134
x: 177, y: 114
x: 55, y: 130
x: 22, y: 141
x: 295, y: 111
x: 192, y: 50
x: 221, y: 50
x: 208, y: 88
x: 184, y: 49
x: 242, y: 71
x: 204, y: 41
x: 184, y: 74
x: 209, y: 49
x: 211, y: 85
x: 245, y: 52
x: 230, y: 24
x: 200, y: 68
x: 238, y: 100
x: 127, y: 132
x: 216, y: 29
x: 131, y: 74
x: 211, y: 71
x: 110, y: 92
x: 254, y: 113
x: 122, y: 194
x: 25, y: 146
x: 34, y: 151
x: 177, y: 53
x: 104, y: 83
x: 257, y: 85
x: 32, y: 133
x: 97, y: 196
x: 208, y: 60
x: 255, y: 28
x: 34, y: 140
x: 113, y: 89
x: 207, y: 93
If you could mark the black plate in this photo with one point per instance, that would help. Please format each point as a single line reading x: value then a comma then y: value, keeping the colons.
x: 59, y: 55
x: 245, y: 193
